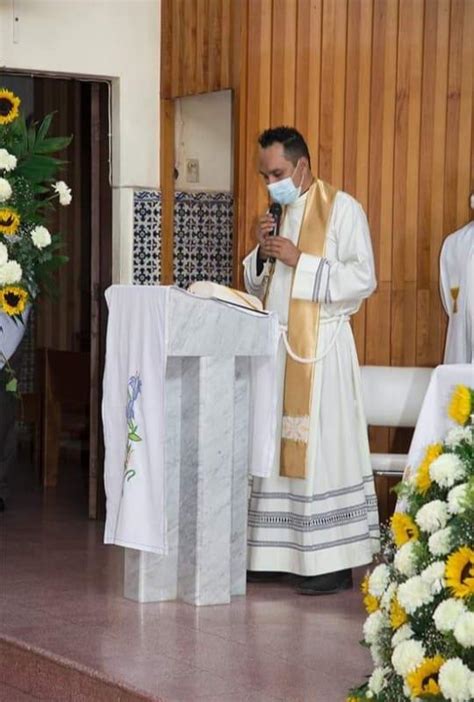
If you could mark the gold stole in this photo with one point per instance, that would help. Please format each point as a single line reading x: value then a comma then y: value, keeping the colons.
x: 303, y: 331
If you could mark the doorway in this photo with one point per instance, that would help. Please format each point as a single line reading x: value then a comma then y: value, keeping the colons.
x: 73, y: 321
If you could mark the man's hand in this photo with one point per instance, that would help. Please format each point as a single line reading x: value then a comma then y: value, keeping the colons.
x: 281, y: 249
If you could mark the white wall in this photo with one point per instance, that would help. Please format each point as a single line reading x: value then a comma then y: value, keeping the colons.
x: 114, y: 39
x: 203, y: 125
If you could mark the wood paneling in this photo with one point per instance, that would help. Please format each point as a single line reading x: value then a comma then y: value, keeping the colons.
x: 383, y: 92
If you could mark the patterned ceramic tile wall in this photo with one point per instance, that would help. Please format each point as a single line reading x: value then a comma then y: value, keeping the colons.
x: 146, y: 237
x: 202, y: 237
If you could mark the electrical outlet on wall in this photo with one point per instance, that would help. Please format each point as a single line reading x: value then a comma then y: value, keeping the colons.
x: 192, y: 170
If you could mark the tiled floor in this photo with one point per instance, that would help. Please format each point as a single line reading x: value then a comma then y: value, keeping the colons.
x: 61, y: 592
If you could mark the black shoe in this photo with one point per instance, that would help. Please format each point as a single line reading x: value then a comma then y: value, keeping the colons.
x: 267, y: 576
x: 327, y: 584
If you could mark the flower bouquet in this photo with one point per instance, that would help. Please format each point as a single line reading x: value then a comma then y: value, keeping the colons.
x: 29, y: 253
x: 420, y: 599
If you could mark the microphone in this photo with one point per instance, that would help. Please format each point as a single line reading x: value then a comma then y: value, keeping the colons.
x: 276, y: 211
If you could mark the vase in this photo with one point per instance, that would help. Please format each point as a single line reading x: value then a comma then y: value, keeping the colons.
x: 11, y: 334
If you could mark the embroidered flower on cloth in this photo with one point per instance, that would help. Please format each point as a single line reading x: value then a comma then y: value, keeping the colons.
x: 295, y: 428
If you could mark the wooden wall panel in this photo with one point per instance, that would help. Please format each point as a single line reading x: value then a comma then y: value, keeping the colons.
x: 383, y: 92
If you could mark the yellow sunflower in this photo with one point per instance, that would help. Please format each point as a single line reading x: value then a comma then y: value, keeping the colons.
x: 460, y: 406
x: 371, y: 603
x: 364, y: 586
x: 459, y: 572
x: 423, y: 681
x: 9, y: 106
x: 9, y: 221
x: 404, y: 528
x: 422, y: 478
x: 398, y: 616
x: 13, y: 299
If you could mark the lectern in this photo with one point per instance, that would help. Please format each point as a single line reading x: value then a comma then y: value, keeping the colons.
x: 209, y: 346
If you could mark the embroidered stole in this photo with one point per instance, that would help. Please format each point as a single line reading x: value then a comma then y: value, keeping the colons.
x: 303, y: 331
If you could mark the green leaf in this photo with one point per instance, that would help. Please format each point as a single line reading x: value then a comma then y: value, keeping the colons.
x: 52, y: 144
x: 12, y: 385
x: 44, y: 127
x: 134, y: 437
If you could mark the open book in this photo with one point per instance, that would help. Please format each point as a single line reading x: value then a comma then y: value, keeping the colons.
x: 205, y: 288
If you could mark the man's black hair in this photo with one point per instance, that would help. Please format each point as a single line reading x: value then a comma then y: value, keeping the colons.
x: 294, y: 145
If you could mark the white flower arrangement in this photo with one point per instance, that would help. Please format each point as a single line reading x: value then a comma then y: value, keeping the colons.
x: 29, y: 254
x: 420, y: 599
x: 27, y: 191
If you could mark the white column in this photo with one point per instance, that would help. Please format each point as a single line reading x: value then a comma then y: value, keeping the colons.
x: 206, y: 480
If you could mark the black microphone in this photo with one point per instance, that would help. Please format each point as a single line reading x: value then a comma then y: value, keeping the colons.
x: 276, y: 211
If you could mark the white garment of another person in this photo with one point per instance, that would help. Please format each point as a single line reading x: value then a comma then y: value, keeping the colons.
x: 328, y: 521
x: 457, y: 294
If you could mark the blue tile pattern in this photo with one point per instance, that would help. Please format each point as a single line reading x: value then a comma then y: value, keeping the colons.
x: 146, y: 237
x: 203, y: 224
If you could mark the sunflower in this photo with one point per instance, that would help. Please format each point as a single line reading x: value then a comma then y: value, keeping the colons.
x: 9, y: 221
x: 422, y: 478
x: 364, y: 586
x: 404, y: 528
x: 398, y: 616
x: 371, y: 603
x: 9, y: 106
x: 459, y: 572
x: 460, y: 406
x: 13, y: 299
x: 423, y: 681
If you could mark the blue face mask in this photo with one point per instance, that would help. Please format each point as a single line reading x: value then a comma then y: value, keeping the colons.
x: 284, y: 191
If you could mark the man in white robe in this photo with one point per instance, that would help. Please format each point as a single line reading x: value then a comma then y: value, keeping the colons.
x: 323, y: 525
x: 457, y: 294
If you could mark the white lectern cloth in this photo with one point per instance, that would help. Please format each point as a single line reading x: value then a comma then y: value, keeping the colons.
x: 134, y: 391
x: 134, y: 384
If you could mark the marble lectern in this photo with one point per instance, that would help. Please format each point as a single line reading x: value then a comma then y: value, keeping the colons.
x: 207, y: 403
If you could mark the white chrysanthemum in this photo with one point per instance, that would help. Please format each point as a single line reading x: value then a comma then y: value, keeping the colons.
x: 404, y: 560
x: 439, y: 543
x: 404, y: 633
x: 41, y: 237
x: 377, y: 680
x: 454, y: 680
x: 373, y: 625
x: 414, y: 593
x: 377, y: 655
x: 7, y: 161
x: 433, y: 576
x: 378, y: 580
x: 64, y: 192
x: 432, y: 516
x: 387, y: 596
x: 447, y: 470
x: 10, y: 273
x: 407, y: 656
x: 3, y: 254
x: 458, y: 434
x: 456, y: 498
x: 471, y: 687
x: 5, y: 190
x: 447, y: 614
x: 464, y: 630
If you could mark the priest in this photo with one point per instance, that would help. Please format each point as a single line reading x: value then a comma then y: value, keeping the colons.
x: 316, y: 515
x: 457, y: 293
